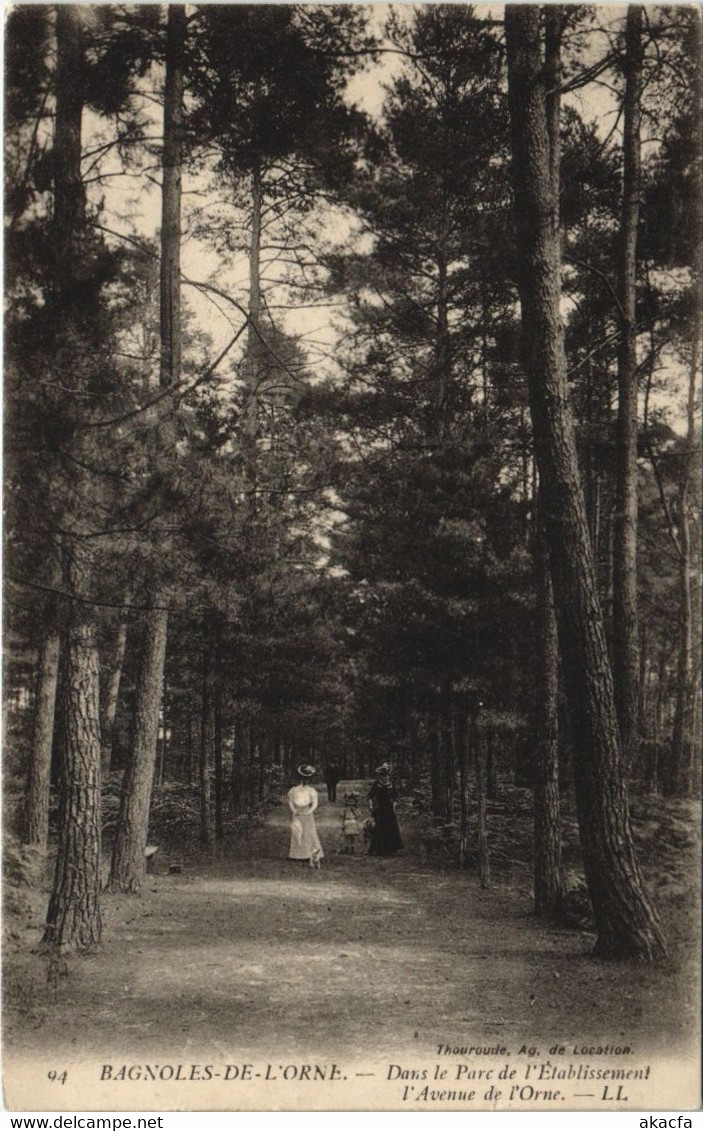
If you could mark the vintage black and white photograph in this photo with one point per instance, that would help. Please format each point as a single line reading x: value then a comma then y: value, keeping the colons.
x: 352, y: 557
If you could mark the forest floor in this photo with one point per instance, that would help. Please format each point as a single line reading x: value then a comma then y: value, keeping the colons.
x: 246, y: 953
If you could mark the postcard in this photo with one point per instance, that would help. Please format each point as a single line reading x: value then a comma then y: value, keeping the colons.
x: 352, y: 634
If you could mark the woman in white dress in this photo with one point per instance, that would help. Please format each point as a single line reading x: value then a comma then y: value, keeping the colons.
x: 302, y: 802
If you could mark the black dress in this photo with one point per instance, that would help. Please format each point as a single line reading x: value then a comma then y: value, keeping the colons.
x: 385, y: 835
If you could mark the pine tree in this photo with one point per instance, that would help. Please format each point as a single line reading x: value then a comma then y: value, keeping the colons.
x: 625, y: 625
x: 73, y: 919
x: 625, y: 919
x: 429, y: 479
x: 128, y: 860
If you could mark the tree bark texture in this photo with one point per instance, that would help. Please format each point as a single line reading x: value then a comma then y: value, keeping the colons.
x: 127, y: 869
x: 625, y: 626
x: 36, y: 824
x: 626, y: 921
x: 73, y: 921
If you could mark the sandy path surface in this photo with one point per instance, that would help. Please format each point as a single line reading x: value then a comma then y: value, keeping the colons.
x: 252, y: 954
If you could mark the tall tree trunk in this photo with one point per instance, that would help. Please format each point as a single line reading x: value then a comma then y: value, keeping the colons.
x: 36, y: 823
x: 655, y: 769
x: 219, y: 785
x: 437, y: 776
x: 171, y: 191
x: 205, y: 744
x: 626, y: 921
x: 484, y: 858
x: 236, y: 803
x: 255, y: 349
x: 677, y: 780
x: 441, y: 375
x: 128, y: 855
x: 127, y: 869
x: 547, y: 812
x: 491, y: 770
x: 696, y: 730
x: 646, y: 686
x: 164, y: 729
x: 192, y: 769
x: 679, y: 777
x: 625, y: 628
x: 462, y: 748
x: 261, y: 777
x: 73, y: 921
x: 110, y: 694
x: 447, y: 747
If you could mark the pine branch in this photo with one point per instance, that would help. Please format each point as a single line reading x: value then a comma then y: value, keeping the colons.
x: 77, y: 597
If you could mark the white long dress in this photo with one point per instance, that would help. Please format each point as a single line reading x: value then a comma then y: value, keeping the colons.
x: 304, y: 841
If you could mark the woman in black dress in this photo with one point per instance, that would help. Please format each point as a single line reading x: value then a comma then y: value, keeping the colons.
x: 385, y: 837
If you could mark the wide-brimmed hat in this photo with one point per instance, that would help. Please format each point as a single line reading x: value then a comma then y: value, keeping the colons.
x: 382, y: 769
x: 306, y: 771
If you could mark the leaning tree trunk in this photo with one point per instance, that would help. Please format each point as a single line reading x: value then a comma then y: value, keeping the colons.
x: 36, y: 823
x: 626, y: 921
x: 625, y: 627
x: 73, y: 921
x: 128, y: 865
x: 127, y: 870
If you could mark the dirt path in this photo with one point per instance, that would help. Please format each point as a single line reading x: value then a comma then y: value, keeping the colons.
x: 256, y: 954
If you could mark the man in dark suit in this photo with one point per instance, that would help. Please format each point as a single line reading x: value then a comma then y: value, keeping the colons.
x: 331, y: 776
